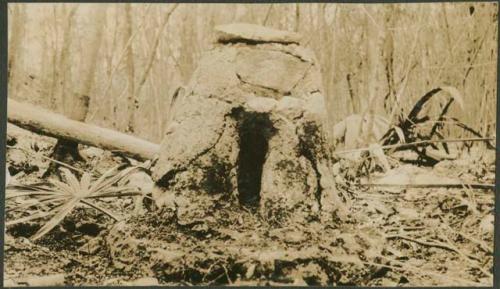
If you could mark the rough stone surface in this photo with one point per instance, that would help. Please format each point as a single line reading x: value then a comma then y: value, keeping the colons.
x: 274, y: 70
x: 254, y: 33
x: 248, y: 129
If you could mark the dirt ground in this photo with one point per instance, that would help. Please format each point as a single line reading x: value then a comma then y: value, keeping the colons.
x: 390, y: 237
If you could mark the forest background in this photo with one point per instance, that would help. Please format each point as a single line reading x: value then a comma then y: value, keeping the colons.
x: 130, y: 58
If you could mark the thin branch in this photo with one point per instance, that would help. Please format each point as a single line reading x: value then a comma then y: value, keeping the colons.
x: 439, y: 245
x: 154, y: 50
x: 268, y: 13
x: 121, y: 56
x: 99, y: 208
x: 480, y: 243
x: 416, y: 144
x: 446, y: 186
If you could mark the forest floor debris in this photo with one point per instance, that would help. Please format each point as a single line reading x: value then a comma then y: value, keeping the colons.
x: 397, y: 236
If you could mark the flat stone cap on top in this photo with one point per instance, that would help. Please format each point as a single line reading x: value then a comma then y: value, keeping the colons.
x: 251, y: 32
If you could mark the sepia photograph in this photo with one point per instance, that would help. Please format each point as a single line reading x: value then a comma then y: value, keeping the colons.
x: 250, y: 144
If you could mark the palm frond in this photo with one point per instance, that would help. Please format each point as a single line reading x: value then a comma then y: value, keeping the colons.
x: 30, y: 187
x: 67, y: 194
x: 85, y: 182
x: 116, y: 191
x: 63, y: 187
x: 103, y: 177
x: 14, y: 194
x: 72, y: 181
x: 99, y: 208
x: 63, y: 211
x: 112, y: 180
x: 35, y: 216
x: 49, y: 200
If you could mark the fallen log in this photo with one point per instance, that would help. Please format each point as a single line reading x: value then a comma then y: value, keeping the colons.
x: 51, y: 124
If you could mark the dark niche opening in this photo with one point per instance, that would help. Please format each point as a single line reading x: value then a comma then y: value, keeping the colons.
x: 254, y: 131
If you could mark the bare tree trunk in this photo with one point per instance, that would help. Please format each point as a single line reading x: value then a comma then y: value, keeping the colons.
x: 53, y: 61
x: 388, y: 52
x: 72, y: 104
x: 90, y: 70
x: 132, y: 101
x: 374, y: 39
x: 17, y: 34
x: 297, y: 17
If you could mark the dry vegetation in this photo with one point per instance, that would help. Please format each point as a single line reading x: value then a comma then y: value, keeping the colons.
x: 130, y: 58
x: 392, y: 65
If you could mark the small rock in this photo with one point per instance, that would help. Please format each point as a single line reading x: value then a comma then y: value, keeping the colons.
x: 311, y: 272
x: 44, y: 281
x: 167, y: 256
x: 140, y: 181
x: 91, y: 247
x: 7, y: 176
x: 145, y: 281
x: 276, y: 73
x: 299, y: 282
x: 250, y: 271
x: 289, y: 235
x: 486, y: 224
x: 8, y: 282
x: 252, y: 32
x: 112, y: 281
x: 260, y: 104
x: 91, y: 152
x: 290, y: 107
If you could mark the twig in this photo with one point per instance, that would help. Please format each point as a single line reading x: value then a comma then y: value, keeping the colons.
x: 208, y: 271
x: 99, y: 208
x: 409, y: 268
x: 227, y: 275
x: 481, y: 244
x: 154, y: 50
x: 267, y: 14
x: 446, y: 186
x: 439, y: 245
x: 472, y: 260
x: 409, y: 67
x: 404, y: 266
x: 120, y: 58
x: 417, y: 143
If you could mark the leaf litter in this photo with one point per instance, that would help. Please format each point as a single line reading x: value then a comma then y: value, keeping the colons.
x: 408, y: 236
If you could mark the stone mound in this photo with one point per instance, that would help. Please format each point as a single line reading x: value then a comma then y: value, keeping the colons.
x: 248, y: 128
